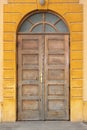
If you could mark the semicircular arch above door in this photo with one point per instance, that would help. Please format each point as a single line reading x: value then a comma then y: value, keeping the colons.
x: 43, y: 22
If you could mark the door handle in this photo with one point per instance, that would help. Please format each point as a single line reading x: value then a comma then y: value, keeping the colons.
x: 41, y: 77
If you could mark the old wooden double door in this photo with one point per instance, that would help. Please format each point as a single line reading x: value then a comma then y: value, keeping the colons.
x: 43, y: 77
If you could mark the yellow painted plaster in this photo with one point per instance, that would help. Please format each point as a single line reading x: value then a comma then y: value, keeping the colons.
x: 1, y: 55
x: 76, y: 109
x: 1, y: 49
x: 84, y: 2
x: 85, y: 50
x: 1, y: 59
x: 85, y: 111
x: 13, y: 14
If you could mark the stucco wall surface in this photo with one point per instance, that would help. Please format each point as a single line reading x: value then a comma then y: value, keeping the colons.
x: 72, y: 12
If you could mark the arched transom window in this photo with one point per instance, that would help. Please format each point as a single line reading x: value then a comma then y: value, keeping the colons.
x: 43, y: 22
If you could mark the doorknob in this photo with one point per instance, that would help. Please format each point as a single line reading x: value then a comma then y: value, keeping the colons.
x: 41, y: 77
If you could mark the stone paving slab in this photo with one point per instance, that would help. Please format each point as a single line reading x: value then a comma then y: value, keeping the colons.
x: 44, y: 125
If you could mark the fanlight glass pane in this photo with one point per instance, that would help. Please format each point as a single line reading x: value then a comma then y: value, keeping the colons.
x: 51, y: 23
x: 36, y: 18
x: 61, y: 27
x: 51, y: 18
x: 49, y: 29
x: 25, y: 27
x: 38, y: 29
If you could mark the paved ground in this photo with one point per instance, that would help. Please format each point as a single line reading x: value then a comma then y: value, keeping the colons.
x: 43, y: 125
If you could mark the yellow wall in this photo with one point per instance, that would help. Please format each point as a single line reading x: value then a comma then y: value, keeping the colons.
x: 1, y: 55
x: 84, y: 2
x: 72, y: 12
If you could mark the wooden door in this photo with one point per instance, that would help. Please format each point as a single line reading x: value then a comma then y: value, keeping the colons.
x: 43, y: 77
x: 56, y: 77
x: 30, y: 96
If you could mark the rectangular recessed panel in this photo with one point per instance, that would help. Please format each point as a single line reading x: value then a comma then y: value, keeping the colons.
x: 56, y: 59
x: 55, y: 90
x: 30, y: 44
x: 30, y: 105
x: 55, y: 105
x: 30, y: 59
x: 56, y: 74
x: 58, y: 115
x: 55, y: 44
x: 30, y: 90
x: 31, y: 74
